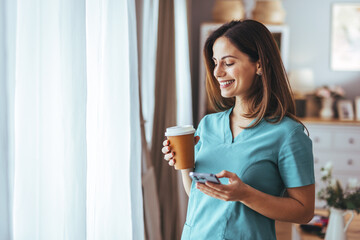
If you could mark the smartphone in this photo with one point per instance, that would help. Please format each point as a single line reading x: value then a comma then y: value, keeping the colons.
x: 203, y: 177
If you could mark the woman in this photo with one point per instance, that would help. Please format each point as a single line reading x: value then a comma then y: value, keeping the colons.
x: 254, y: 142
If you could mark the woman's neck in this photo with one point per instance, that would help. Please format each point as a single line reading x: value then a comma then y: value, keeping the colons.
x: 240, y: 108
x: 239, y: 111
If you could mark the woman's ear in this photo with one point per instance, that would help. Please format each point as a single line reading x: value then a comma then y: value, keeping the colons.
x: 258, y: 68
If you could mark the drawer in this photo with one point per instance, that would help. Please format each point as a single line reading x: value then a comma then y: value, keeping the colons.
x: 321, y: 139
x: 347, y: 163
x: 347, y: 141
x: 343, y: 163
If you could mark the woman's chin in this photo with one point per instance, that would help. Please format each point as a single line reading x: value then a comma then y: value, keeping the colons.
x: 226, y: 94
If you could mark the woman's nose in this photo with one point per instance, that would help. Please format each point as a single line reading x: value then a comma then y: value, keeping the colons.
x: 219, y: 71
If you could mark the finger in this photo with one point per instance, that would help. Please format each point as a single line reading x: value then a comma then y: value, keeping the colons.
x: 166, y: 143
x: 165, y: 149
x: 216, y: 194
x: 224, y: 188
x: 172, y: 162
x: 196, y: 138
x: 207, y: 187
x: 226, y: 174
x: 203, y: 188
x: 168, y: 156
x: 216, y: 186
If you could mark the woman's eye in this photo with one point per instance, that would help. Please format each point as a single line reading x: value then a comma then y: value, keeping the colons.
x: 229, y: 64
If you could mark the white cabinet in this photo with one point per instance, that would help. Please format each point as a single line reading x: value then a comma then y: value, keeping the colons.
x: 335, y: 142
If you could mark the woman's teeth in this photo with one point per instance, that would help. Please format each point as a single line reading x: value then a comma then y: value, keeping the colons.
x: 226, y: 83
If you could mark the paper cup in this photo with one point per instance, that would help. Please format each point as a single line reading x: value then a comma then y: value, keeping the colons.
x: 182, y: 143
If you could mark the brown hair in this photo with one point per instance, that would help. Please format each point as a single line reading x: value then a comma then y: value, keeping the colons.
x: 270, y: 95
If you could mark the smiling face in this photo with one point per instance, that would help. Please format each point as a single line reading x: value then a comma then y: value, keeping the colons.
x: 234, y: 70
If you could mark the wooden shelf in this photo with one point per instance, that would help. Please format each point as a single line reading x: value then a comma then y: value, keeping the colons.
x: 330, y: 121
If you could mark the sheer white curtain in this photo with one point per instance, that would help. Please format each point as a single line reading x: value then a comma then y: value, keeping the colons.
x: 49, y: 195
x: 69, y: 162
x: 114, y: 144
x: 149, y: 34
x: 183, y: 86
x: 7, y: 46
x: 182, y: 60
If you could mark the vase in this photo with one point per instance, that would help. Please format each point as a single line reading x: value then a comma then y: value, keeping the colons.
x: 326, y: 111
x: 336, y: 229
x: 269, y: 12
x: 228, y: 10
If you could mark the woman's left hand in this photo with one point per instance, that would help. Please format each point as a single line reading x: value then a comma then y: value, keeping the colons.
x: 234, y: 191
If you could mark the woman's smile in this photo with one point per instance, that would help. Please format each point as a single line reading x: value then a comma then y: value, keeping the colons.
x: 227, y: 83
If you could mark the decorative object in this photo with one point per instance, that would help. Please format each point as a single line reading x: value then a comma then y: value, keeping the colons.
x: 269, y: 12
x: 345, y: 37
x: 302, y: 81
x: 341, y: 202
x: 345, y: 109
x: 328, y: 96
x: 330, y: 92
x: 228, y: 10
x: 313, y: 105
x: 300, y: 107
x: 326, y: 111
x: 357, y: 108
x: 336, y: 229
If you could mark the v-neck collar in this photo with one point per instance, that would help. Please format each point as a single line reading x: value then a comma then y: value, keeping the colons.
x: 228, y: 138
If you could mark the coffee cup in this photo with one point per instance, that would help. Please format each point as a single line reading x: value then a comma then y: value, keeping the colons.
x: 182, y: 143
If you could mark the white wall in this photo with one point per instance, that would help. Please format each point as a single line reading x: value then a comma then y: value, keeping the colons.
x: 310, y: 43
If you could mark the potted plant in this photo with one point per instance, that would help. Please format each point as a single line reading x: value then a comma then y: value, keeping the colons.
x: 340, y: 200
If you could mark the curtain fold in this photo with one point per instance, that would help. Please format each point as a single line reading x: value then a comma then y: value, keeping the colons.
x: 136, y: 197
x: 114, y: 162
x: 183, y: 91
x: 50, y: 101
x: 173, y: 106
x: 147, y: 20
x: 164, y: 116
x: 7, y: 77
x: 5, y: 215
x: 149, y: 30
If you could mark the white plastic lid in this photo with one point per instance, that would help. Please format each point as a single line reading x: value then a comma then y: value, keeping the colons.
x: 179, y: 130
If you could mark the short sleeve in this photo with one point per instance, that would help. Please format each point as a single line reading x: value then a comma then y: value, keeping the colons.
x: 295, y: 161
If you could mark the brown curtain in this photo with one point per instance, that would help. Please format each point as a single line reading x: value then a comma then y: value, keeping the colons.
x: 165, y: 116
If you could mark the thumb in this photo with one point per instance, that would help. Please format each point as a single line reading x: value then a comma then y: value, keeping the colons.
x: 196, y: 139
x: 226, y: 174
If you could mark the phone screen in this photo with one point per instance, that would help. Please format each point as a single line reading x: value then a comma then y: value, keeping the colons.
x: 203, y: 177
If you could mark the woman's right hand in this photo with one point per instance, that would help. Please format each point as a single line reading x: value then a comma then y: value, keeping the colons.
x: 170, y: 155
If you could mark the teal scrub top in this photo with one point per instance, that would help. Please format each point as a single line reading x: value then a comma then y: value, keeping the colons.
x: 268, y: 157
